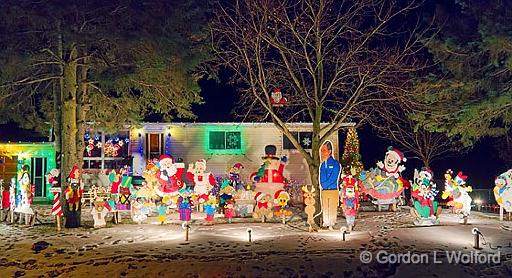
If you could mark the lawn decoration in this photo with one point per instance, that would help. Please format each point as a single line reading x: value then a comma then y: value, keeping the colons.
x: 234, y: 177
x: 229, y: 210
x: 138, y: 213
x: 6, y: 200
x: 115, y: 181
x: 162, y: 212
x: 73, y: 195
x: 426, y: 210
x: 185, y: 204
x: 126, y: 190
x: 210, y: 207
x: 226, y: 193
x: 263, y: 209
x: 169, y: 176
x: 277, y: 99
x: 244, y: 202
x: 26, y: 190
x: 12, y: 198
x: 269, y: 177
x: 203, y: 181
x: 456, y: 189
x: 350, y: 199
x: 385, y: 183
x: 53, y: 179
x: 309, y: 201
x: 99, y: 212
x: 503, y: 190
x: 281, y: 199
x: 329, y: 174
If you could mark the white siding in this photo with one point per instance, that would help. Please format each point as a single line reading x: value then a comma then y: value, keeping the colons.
x: 190, y: 143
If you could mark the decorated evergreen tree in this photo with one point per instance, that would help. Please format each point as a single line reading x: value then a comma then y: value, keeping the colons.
x: 351, y: 156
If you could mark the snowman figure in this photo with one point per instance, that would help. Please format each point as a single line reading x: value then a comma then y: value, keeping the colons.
x: 269, y: 178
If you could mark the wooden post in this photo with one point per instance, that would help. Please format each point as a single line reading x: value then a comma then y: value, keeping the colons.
x: 58, y: 222
x: 501, y: 213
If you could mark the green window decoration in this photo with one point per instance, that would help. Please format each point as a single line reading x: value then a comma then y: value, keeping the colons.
x: 222, y: 140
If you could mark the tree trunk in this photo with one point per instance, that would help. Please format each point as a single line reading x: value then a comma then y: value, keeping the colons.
x: 314, y: 165
x: 69, y: 129
x: 81, y: 113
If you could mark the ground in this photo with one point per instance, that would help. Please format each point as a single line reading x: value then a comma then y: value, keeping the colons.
x: 276, y: 250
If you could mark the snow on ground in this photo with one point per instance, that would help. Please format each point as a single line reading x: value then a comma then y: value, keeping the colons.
x: 276, y: 250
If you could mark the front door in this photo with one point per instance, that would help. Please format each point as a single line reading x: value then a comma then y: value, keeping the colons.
x: 38, y: 170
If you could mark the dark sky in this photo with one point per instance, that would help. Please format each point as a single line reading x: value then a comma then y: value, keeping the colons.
x: 480, y: 164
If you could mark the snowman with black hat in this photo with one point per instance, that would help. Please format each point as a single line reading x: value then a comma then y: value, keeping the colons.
x: 269, y: 178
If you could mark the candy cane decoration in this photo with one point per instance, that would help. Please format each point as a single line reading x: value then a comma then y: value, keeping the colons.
x: 56, y: 208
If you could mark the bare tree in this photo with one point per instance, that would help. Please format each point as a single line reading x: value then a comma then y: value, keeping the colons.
x: 333, y: 60
x: 396, y: 125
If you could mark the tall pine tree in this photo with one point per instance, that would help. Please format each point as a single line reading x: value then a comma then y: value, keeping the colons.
x: 351, y: 155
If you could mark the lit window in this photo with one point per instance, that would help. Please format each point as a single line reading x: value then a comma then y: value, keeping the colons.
x: 225, y: 140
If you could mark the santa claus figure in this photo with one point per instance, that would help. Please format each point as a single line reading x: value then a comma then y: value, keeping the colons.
x: 391, y: 165
x: 276, y: 98
x: 203, y: 181
x: 169, y: 175
x: 269, y: 177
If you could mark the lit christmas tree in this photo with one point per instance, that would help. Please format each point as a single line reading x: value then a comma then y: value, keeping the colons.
x: 351, y: 156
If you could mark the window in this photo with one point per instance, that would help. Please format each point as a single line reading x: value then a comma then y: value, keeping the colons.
x: 101, y: 149
x: 225, y: 140
x: 154, y: 145
x: 304, y: 138
x: 38, y: 179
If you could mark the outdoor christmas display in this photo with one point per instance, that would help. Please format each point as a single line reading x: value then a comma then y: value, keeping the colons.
x: 125, y: 192
x: 456, y: 189
x: 161, y: 209
x: 426, y: 210
x: 234, y: 177
x: 210, y: 207
x: 203, y: 181
x: 139, y: 212
x: 99, y: 212
x: 281, y: 199
x: 73, y: 195
x: 351, y: 158
x: 12, y: 198
x: 330, y: 171
x: 26, y: 191
x: 503, y: 190
x: 350, y: 199
x: 276, y: 98
x: 263, y: 209
x: 53, y: 179
x: 169, y: 176
x: 269, y: 177
x: 6, y: 200
x: 385, y: 183
x: 229, y: 210
x: 244, y: 202
x: 185, y: 204
x: 309, y: 202
x: 226, y: 193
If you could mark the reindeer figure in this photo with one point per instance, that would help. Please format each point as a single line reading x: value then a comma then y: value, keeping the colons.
x: 309, y: 201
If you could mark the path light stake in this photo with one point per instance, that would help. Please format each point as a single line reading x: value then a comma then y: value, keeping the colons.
x: 477, y: 234
x: 344, y: 233
x: 186, y: 227
x: 249, y: 231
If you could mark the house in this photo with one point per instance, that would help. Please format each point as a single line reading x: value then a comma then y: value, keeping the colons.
x: 220, y: 144
x: 40, y: 157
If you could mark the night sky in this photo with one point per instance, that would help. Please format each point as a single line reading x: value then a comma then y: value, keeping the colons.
x: 480, y: 164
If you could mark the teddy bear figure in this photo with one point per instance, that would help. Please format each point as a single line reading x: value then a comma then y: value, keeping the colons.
x: 263, y: 209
